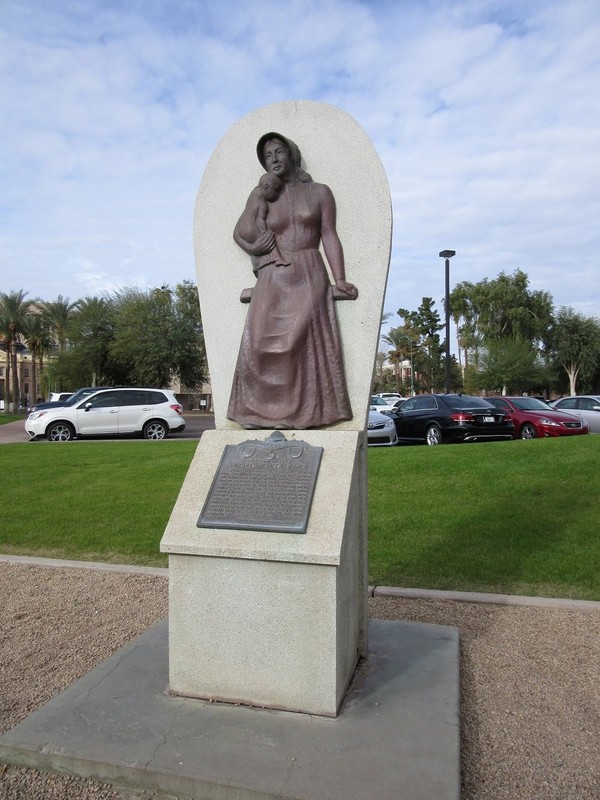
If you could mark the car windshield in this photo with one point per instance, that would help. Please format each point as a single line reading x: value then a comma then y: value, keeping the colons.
x: 530, y: 404
x: 75, y: 398
x: 465, y: 401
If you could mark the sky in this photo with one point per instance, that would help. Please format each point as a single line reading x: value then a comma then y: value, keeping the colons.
x: 485, y: 114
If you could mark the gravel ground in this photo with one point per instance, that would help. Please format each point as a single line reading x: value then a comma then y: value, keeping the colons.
x: 530, y: 689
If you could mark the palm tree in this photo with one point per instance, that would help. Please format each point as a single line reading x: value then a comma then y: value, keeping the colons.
x: 39, y: 341
x: 396, y: 338
x: 57, y: 315
x: 13, y: 320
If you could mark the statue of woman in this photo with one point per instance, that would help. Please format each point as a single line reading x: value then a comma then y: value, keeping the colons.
x: 290, y: 370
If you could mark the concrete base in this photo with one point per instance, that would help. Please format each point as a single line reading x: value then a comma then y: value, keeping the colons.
x: 268, y: 618
x: 397, y: 735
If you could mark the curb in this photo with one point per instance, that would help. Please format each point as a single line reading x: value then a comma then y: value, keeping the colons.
x: 374, y: 591
x: 132, y: 569
x: 481, y: 597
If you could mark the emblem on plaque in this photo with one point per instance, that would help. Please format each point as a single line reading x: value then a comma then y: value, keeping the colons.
x: 263, y: 486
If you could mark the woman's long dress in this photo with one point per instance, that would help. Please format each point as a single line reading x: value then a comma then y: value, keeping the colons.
x: 290, y: 369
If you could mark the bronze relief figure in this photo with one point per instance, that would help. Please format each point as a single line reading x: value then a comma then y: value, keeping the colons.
x: 290, y: 369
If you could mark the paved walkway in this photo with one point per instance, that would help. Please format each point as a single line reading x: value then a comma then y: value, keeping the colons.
x: 13, y: 432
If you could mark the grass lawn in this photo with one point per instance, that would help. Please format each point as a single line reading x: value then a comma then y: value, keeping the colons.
x: 519, y: 517
x: 6, y: 418
x: 515, y: 517
x: 93, y: 501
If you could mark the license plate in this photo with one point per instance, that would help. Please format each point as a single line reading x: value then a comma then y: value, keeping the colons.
x: 488, y: 419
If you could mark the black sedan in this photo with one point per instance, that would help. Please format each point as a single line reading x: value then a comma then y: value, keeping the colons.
x: 440, y: 418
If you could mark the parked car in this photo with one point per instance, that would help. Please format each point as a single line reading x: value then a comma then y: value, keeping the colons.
x: 379, y: 404
x: 391, y: 397
x: 398, y: 404
x: 534, y: 418
x: 59, y: 397
x: 381, y: 430
x: 585, y: 406
x: 441, y: 418
x: 70, y: 399
x: 153, y: 413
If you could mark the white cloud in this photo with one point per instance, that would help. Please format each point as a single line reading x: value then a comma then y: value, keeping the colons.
x: 485, y: 115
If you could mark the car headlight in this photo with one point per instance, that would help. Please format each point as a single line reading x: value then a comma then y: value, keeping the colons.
x: 36, y: 415
x: 553, y: 422
x: 389, y: 424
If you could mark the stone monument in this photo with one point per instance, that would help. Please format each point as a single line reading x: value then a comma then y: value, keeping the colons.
x: 267, y: 541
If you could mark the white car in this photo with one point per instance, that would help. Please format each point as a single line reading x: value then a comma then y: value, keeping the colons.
x: 381, y: 430
x: 381, y: 404
x: 391, y: 397
x: 59, y: 397
x: 153, y: 413
x: 584, y: 406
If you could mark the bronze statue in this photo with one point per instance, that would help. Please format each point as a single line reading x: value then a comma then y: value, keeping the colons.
x: 290, y: 370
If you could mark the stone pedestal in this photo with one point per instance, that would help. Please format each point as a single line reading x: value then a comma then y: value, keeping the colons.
x: 270, y: 619
x: 256, y: 617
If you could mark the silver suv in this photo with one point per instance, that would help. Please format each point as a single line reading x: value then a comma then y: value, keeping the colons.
x: 153, y: 413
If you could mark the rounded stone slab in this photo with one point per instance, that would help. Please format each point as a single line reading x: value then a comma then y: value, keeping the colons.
x: 336, y: 151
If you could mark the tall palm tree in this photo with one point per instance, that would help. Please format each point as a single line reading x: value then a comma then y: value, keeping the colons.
x: 58, y: 315
x: 39, y: 341
x: 13, y: 319
x: 400, y: 343
x: 4, y: 345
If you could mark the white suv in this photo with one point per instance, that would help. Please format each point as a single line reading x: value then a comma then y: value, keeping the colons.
x: 153, y: 413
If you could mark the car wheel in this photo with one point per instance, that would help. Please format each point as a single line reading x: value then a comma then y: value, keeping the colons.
x: 433, y: 435
x: 60, y: 432
x: 528, y: 431
x: 155, y: 429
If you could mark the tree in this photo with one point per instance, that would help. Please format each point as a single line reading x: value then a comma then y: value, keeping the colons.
x: 40, y: 343
x: 57, y: 315
x: 501, y: 308
x: 509, y: 365
x: 396, y: 355
x: 403, y: 348
x: 574, y: 345
x: 13, y: 320
x: 190, y: 352
x: 460, y: 308
x: 158, y: 335
x: 87, y: 362
x: 383, y: 380
x: 423, y: 326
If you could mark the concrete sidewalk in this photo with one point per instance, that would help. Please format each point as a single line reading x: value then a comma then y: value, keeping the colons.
x: 13, y: 432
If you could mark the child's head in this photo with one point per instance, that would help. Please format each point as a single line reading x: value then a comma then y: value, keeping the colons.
x: 270, y: 186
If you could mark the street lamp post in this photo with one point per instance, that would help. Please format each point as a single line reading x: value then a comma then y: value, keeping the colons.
x: 447, y: 254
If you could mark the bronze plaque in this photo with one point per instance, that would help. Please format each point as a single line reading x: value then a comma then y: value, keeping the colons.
x: 263, y: 486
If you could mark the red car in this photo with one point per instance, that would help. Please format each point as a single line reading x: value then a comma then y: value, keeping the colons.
x: 534, y: 418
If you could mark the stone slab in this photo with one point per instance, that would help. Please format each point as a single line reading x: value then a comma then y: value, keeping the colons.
x: 396, y: 737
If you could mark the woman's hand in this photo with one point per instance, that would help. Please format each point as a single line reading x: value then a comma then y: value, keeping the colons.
x: 264, y: 244
x: 347, y: 288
